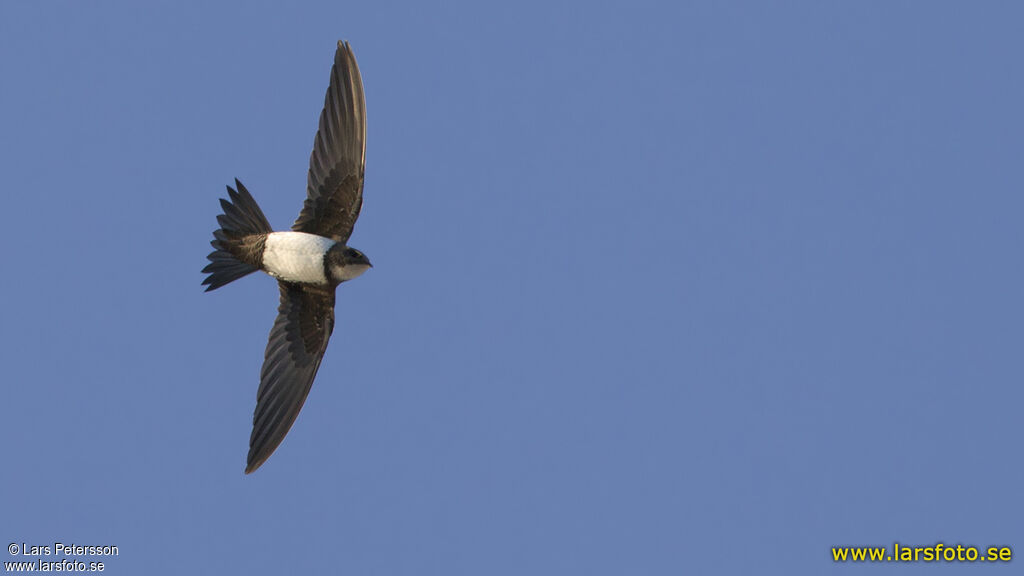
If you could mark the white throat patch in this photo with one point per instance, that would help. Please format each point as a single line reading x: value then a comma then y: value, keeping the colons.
x: 296, y: 256
x: 346, y: 273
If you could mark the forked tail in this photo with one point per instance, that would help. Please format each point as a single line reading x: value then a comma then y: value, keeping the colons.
x: 238, y: 244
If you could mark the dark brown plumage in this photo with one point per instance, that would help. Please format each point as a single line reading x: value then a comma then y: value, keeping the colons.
x: 296, y: 346
x: 238, y: 244
x: 245, y: 243
x: 334, y: 187
x: 334, y: 198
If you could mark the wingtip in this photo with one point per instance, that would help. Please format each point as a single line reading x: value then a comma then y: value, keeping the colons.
x: 253, y: 465
x: 344, y: 51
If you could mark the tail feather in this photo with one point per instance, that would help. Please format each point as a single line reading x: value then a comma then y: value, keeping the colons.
x: 238, y: 243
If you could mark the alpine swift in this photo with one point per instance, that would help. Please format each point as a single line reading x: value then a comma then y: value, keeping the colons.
x: 308, y: 262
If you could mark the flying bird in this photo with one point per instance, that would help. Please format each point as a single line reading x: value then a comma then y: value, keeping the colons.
x: 309, y: 262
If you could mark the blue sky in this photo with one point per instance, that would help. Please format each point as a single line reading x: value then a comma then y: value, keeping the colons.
x: 659, y: 288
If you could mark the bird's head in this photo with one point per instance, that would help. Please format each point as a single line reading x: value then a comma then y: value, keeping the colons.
x: 346, y: 263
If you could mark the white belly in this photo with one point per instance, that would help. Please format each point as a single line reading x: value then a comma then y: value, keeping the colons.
x: 296, y: 256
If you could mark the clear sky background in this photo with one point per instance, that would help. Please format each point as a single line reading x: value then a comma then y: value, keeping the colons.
x: 660, y: 288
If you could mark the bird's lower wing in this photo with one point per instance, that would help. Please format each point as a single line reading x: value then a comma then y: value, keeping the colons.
x: 297, y: 343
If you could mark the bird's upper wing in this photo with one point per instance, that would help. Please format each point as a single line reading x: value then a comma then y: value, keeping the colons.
x: 334, y: 189
x: 297, y: 343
